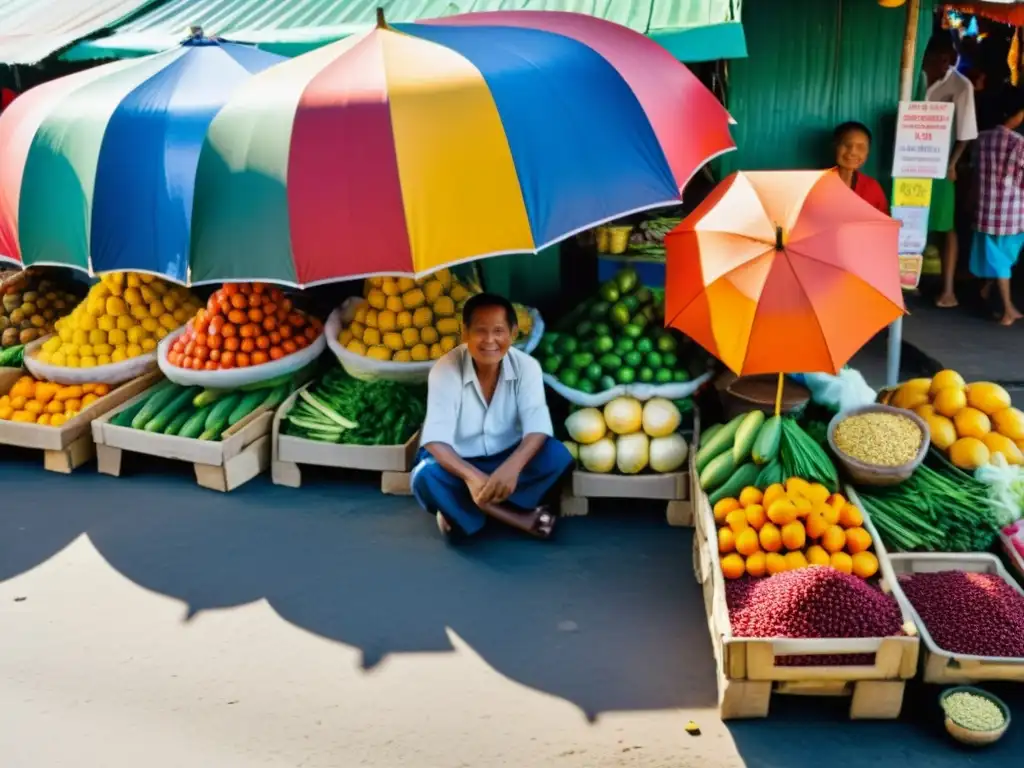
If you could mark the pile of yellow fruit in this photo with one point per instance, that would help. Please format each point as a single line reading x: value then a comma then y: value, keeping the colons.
x: 31, y: 401
x: 792, y: 526
x: 968, y: 422
x: 123, y: 316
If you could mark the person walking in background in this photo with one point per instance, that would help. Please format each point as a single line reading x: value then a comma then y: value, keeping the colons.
x: 852, y: 142
x: 948, y: 85
x: 999, y: 210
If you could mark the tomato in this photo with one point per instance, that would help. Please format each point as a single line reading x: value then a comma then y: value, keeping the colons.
x: 210, y: 365
x: 237, y: 316
x: 248, y: 345
x: 214, y: 342
x: 202, y: 353
x: 300, y: 341
x: 186, y: 362
x: 262, y: 342
x: 285, y: 331
x: 228, y: 330
x: 289, y: 347
x: 269, y: 308
x: 227, y: 359
x: 231, y: 344
x: 255, y: 300
x: 242, y: 360
x: 255, y: 315
x: 311, y: 333
x: 215, y: 355
x: 276, y: 353
x: 245, y: 288
x: 275, y: 338
x: 249, y: 331
x: 259, y: 358
x: 229, y: 289
x: 258, y: 288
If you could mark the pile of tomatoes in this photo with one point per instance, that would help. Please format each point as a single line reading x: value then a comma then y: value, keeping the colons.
x: 243, y: 324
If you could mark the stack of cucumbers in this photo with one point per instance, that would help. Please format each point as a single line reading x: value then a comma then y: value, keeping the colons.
x: 201, y: 414
x: 752, y: 450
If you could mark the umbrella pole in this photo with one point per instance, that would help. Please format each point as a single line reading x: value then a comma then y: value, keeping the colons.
x: 778, y: 396
x: 895, y: 345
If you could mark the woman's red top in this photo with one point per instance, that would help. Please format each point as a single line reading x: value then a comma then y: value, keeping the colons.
x: 870, y: 191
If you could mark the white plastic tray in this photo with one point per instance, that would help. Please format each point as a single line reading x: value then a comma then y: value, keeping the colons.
x: 114, y: 373
x: 365, y: 369
x: 233, y: 378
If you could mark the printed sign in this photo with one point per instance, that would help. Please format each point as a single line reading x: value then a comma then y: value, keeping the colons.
x: 914, y: 232
x: 924, y: 131
x: 910, y: 271
x: 915, y: 193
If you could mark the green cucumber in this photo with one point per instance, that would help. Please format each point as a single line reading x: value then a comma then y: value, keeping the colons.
x: 719, y: 443
x: 746, y: 434
x: 163, y: 393
x: 709, y: 433
x: 166, y: 415
x: 770, y: 474
x: 179, y: 421
x: 194, y: 426
x: 124, y: 418
x: 211, y: 434
x: 277, y: 396
x: 209, y: 397
x: 277, y: 381
x: 717, y: 471
x: 766, y: 446
x: 249, y: 403
x: 740, y: 479
x: 218, y: 417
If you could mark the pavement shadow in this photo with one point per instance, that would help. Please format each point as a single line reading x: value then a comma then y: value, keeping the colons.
x: 608, y: 617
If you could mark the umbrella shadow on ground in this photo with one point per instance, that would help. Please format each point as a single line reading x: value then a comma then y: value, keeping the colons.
x: 608, y: 617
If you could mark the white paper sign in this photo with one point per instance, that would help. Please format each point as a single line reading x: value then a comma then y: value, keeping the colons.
x: 914, y: 229
x: 924, y: 132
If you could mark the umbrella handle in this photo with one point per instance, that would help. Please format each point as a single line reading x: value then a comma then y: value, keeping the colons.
x: 778, y: 397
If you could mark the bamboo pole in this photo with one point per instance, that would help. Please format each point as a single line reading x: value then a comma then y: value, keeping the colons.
x: 895, y: 345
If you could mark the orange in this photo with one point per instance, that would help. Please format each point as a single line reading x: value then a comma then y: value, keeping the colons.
x: 817, y: 556
x: 756, y: 516
x: 969, y: 453
x: 775, y: 563
x: 793, y: 535
x: 857, y: 540
x: 816, y: 525
x: 997, y: 443
x: 946, y: 378
x: 723, y: 507
x: 850, y: 517
x: 795, y: 561
x: 750, y: 495
x: 733, y: 566
x: 757, y: 564
x: 772, y: 494
x: 865, y: 565
x: 834, y: 539
x: 782, y: 511
x: 747, y: 542
x: 949, y: 401
x: 842, y: 562
x: 737, y: 520
x: 970, y: 422
x: 770, y: 538
x: 726, y: 541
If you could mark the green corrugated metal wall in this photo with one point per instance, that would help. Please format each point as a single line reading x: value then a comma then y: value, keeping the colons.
x: 813, y: 64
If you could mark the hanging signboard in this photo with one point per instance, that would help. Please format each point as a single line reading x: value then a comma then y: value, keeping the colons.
x: 924, y: 132
x: 912, y: 193
x: 914, y: 232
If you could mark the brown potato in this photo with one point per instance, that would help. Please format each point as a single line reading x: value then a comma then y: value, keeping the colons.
x: 9, y: 338
x: 28, y: 335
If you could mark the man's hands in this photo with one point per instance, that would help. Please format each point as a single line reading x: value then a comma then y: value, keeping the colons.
x: 496, y: 488
x: 951, y: 172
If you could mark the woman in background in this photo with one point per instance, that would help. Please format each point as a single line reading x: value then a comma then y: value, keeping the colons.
x: 852, y: 143
x: 999, y: 210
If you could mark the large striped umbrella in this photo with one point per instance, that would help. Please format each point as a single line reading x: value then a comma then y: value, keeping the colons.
x: 98, y: 168
x: 417, y: 146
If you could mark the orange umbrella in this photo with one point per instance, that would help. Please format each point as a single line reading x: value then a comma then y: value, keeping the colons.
x: 783, y: 272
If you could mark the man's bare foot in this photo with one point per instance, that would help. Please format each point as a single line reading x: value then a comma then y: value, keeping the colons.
x: 443, y: 526
x: 1010, y: 318
x: 986, y: 291
x: 946, y: 301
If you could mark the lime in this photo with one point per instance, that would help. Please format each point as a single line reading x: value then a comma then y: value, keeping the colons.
x: 603, y: 344
x: 663, y: 376
x: 624, y: 345
x: 626, y: 375
x: 680, y: 376
x: 633, y: 331
x: 606, y: 382
x: 599, y: 311
x: 567, y: 345
x: 570, y: 378
x: 666, y: 343
x: 627, y: 280
x: 609, y: 292
x: 655, y: 360
x: 551, y: 364
x: 670, y: 360
x: 581, y: 360
x: 645, y: 374
x: 586, y: 385
x: 584, y: 329
x: 610, y: 362
x: 619, y: 314
x: 593, y: 372
x: 644, y: 345
x: 632, y: 359
x: 602, y: 329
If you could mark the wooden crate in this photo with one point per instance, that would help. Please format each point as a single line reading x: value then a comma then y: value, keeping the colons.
x: 393, y: 462
x: 674, y: 488
x: 941, y: 666
x: 747, y: 668
x: 241, y: 454
x: 69, y: 446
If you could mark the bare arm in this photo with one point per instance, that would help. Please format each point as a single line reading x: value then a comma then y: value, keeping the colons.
x: 954, y: 158
x: 446, y: 456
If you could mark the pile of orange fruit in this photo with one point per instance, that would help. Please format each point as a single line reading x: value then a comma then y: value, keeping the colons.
x: 32, y: 401
x: 243, y: 324
x: 791, y: 526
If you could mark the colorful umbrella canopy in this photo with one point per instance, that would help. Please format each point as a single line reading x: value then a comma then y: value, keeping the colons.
x: 98, y: 168
x: 424, y: 145
x: 783, y: 272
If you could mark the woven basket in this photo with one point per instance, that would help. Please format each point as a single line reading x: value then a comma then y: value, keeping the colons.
x: 868, y: 474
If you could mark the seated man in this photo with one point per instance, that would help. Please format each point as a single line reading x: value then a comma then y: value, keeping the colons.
x: 487, y: 445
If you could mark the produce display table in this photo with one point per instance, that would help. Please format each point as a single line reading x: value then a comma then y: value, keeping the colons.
x: 941, y: 666
x: 69, y: 446
x: 393, y: 462
x: 241, y: 454
x: 747, y: 668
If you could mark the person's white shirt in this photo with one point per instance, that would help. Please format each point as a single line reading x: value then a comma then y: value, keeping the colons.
x: 458, y: 415
x: 956, y: 89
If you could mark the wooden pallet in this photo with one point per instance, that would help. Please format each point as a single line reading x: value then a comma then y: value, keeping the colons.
x: 748, y: 670
x: 69, y: 446
x: 241, y: 454
x: 289, y: 454
x: 672, y: 488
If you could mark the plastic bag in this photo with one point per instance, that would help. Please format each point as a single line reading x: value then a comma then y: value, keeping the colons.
x: 640, y: 391
x: 233, y: 378
x: 366, y: 369
x: 114, y: 373
x: 844, y: 392
x: 1005, y: 488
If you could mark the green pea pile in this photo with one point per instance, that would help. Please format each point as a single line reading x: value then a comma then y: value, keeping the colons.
x: 974, y: 712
